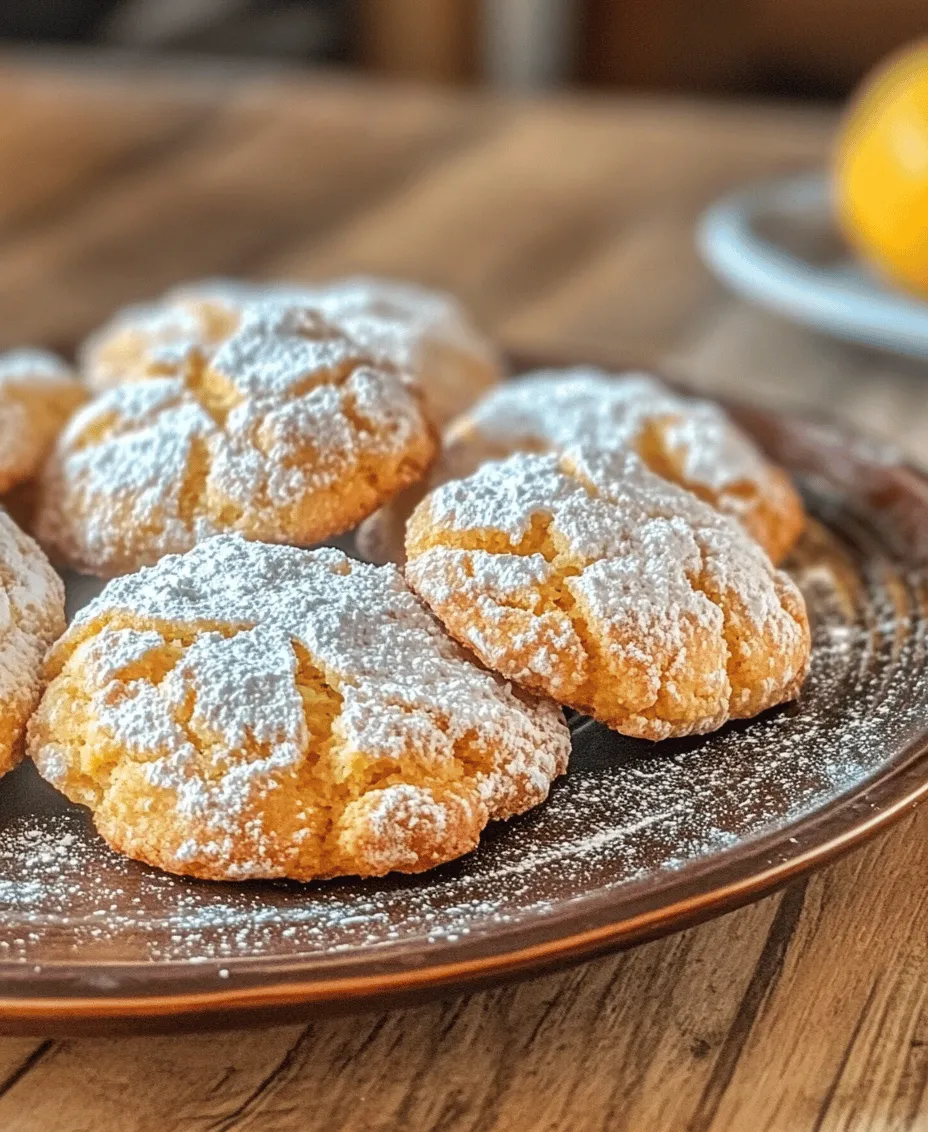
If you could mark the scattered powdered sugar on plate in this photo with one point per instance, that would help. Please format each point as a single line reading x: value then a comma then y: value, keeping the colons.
x: 629, y: 813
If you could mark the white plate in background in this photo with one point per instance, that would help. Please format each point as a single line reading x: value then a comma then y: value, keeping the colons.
x: 776, y: 244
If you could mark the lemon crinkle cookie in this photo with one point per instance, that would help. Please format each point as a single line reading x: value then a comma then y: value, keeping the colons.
x: 686, y: 440
x: 289, y: 433
x: 248, y: 710
x: 423, y: 332
x: 584, y: 576
x: 38, y: 392
x: 31, y: 618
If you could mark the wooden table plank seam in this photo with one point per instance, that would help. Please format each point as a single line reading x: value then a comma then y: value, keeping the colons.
x: 265, y: 1088
x: 764, y: 977
x: 41, y: 1051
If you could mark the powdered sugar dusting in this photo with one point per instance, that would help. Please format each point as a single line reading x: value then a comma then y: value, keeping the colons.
x: 147, y: 339
x: 397, y: 320
x: 563, y: 408
x: 289, y: 410
x: 279, y: 350
x: 244, y: 690
x: 360, y: 624
x: 655, y: 572
x: 216, y: 722
x: 31, y: 615
x: 396, y: 323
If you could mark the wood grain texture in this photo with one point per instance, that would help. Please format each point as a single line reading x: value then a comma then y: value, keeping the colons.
x: 565, y: 224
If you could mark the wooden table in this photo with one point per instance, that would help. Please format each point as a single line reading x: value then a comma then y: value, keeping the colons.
x: 565, y: 224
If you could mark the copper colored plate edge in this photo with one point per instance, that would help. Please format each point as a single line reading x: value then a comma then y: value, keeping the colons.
x: 282, y: 1001
x: 281, y: 991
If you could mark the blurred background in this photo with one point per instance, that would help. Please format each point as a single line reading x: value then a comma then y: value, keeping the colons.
x: 749, y: 47
x: 736, y: 226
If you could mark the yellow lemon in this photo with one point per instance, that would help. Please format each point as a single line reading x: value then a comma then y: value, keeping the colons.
x: 881, y: 169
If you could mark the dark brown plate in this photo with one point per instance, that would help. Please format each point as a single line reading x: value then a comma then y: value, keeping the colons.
x: 638, y: 840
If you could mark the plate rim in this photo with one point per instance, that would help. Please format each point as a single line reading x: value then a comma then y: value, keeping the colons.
x: 370, y: 991
x: 767, y: 274
x: 709, y: 887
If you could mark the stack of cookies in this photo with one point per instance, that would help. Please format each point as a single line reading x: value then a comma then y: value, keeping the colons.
x: 234, y: 705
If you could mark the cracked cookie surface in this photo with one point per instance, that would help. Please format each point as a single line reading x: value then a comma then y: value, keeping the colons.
x: 247, y: 710
x: 689, y: 441
x: 423, y: 332
x: 288, y: 432
x: 586, y: 577
x: 153, y: 339
x: 31, y: 618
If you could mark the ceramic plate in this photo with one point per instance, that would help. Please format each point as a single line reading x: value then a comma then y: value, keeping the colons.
x: 637, y: 841
x: 776, y: 244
